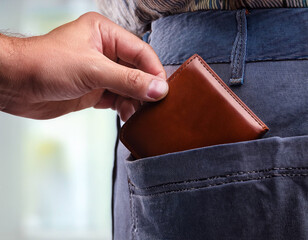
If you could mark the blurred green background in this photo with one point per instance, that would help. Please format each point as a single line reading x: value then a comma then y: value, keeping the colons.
x: 55, y: 175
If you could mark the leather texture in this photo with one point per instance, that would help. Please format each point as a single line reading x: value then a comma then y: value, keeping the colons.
x: 200, y: 110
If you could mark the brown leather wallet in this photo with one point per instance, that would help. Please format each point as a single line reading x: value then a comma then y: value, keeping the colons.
x: 200, y: 110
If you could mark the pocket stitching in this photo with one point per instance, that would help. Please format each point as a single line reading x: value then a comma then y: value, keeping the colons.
x: 134, y: 217
x: 226, y: 182
x: 224, y: 176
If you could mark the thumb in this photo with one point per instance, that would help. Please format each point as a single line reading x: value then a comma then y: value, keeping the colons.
x: 133, y: 82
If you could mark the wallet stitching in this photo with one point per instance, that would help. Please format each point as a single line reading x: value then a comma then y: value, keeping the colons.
x: 219, y: 81
x: 226, y: 176
x: 234, y: 97
x: 227, y: 182
x: 122, y: 134
x: 181, y: 69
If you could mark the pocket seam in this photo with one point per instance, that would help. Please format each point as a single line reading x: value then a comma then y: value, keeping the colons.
x: 133, y: 211
x: 225, y: 176
x: 274, y: 175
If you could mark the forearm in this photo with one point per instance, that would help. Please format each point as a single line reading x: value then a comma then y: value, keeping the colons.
x: 13, y: 70
x: 6, y: 61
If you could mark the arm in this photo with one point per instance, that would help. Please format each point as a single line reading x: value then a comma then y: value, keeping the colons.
x: 88, y: 62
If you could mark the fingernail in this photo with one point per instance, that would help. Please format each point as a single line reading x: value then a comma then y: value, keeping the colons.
x: 158, y: 88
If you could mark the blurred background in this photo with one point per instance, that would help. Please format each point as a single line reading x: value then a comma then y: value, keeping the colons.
x: 55, y: 175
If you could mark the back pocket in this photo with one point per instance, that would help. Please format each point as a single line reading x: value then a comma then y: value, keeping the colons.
x: 248, y: 190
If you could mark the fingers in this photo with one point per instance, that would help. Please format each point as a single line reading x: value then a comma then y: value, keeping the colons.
x: 107, y: 100
x: 124, y: 106
x: 129, y: 48
x: 146, y: 84
x: 139, y: 54
x: 123, y: 63
x: 128, y: 82
x: 88, y: 100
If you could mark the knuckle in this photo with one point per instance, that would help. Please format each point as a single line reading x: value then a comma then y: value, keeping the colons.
x: 133, y: 79
x: 142, y: 49
x: 91, y: 15
x: 88, y: 75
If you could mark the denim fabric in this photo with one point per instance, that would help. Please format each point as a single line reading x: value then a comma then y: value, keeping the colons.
x: 250, y: 190
x: 238, y: 54
x: 211, y: 34
x: 247, y: 190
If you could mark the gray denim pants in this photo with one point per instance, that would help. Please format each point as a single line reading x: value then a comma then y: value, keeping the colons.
x: 246, y: 190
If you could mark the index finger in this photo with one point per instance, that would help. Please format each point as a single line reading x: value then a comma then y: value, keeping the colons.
x: 131, y: 49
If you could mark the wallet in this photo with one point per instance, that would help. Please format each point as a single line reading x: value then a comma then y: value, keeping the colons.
x: 200, y: 110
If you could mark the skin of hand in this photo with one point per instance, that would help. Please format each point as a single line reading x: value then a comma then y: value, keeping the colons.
x: 90, y: 62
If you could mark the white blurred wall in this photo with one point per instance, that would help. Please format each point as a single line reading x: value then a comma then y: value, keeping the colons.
x: 55, y: 175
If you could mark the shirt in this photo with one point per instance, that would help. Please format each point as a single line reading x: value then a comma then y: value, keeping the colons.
x: 136, y: 15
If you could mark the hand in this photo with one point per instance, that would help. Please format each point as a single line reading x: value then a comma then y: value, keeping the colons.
x: 88, y: 62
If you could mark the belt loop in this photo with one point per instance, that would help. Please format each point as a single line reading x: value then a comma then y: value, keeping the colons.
x: 146, y: 37
x: 238, y: 54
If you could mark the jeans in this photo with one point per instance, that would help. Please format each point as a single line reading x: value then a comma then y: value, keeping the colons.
x: 246, y: 190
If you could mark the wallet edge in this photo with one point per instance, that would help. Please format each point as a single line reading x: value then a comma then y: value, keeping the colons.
x: 217, y: 78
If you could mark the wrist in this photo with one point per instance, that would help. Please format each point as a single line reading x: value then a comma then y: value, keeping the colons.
x: 11, y: 65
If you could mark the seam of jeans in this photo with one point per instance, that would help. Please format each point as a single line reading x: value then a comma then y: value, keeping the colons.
x: 133, y: 211
x: 225, y: 176
x: 179, y: 62
x: 135, y: 232
x: 226, y: 183
x: 136, y: 221
x: 278, y: 60
x: 262, y: 59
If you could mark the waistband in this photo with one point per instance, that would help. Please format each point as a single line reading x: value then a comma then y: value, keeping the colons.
x: 219, y: 36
